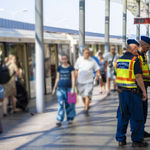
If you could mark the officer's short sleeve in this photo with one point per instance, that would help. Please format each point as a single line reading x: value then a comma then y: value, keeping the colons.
x: 137, y: 67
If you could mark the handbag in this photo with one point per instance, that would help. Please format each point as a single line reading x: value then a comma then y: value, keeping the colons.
x: 110, y: 63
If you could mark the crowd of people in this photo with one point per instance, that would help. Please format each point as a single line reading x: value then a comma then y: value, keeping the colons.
x: 130, y: 75
x: 87, y: 69
x: 9, y: 88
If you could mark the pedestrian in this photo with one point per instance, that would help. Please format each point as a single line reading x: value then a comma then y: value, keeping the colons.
x: 21, y: 72
x: 110, y: 60
x: 66, y: 83
x: 124, y: 50
x: 10, y: 87
x: 96, y: 55
x: 128, y: 78
x: 141, y: 54
x: 1, y: 100
x: 95, y: 76
x: 84, y: 76
x: 102, y: 79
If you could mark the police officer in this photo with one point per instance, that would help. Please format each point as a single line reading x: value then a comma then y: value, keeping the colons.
x: 141, y: 54
x: 128, y: 72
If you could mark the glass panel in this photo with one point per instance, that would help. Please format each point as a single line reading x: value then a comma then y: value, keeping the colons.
x: 76, y: 51
x: 18, y: 51
x: 31, y: 64
x: 53, y: 63
x: 62, y: 49
x: 65, y: 50
x: 47, y: 69
x: 1, y: 51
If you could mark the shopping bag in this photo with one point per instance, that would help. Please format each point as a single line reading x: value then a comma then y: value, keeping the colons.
x: 72, y: 98
x: 77, y: 95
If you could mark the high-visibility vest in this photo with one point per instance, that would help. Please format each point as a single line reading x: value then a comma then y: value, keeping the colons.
x: 125, y: 76
x: 144, y: 65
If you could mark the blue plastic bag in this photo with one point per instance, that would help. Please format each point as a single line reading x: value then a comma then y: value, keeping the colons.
x: 1, y: 92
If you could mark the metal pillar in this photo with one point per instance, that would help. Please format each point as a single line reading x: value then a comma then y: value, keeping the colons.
x: 147, y: 15
x: 81, y: 26
x: 39, y: 56
x: 107, y: 14
x: 147, y: 30
x: 138, y: 26
x: 124, y: 27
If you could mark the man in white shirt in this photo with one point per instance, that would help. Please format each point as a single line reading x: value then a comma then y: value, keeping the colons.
x: 84, y: 76
x: 110, y: 60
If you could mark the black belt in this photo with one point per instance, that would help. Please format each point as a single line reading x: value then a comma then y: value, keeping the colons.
x: 133, y: 90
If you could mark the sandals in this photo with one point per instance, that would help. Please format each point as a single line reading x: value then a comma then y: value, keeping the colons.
x: 70, y: 121
x: 4, y: 115
x: 16, y: 110
x: 108, y: 94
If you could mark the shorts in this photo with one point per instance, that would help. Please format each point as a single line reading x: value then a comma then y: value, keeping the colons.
x: 85, y: 89
x: 104, y: 78
x: 110, y: 74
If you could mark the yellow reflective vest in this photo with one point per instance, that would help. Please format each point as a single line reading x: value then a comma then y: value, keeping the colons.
x: 125, y: 76
x: 144, y: 65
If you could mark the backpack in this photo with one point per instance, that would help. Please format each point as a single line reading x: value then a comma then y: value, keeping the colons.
x: 4, y: 74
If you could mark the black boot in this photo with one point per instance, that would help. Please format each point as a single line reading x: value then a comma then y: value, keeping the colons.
x: 139, y: 144
x: 86, y: 113
x: 122, y: 143
x: 146, y: 134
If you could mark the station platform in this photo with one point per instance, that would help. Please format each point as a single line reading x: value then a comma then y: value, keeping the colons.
x: 23, y: 131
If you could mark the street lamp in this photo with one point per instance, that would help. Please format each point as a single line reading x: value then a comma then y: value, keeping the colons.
x: 56, y: 22
x: 13, y: 13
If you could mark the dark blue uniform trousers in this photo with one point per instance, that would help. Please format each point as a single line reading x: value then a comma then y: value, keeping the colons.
x: 132, y: 110
x: 145, y: 106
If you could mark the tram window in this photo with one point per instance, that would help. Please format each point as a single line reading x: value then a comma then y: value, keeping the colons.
x: 1, y: 52
x: 31, y: 65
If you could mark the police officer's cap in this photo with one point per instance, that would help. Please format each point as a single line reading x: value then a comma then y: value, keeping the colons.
x: 132, y: 41
x: 145, y: 39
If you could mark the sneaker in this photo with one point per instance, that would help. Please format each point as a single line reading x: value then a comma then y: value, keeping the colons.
x: 100, y: 92
x: 139, y: 144
x: 86, y: 113
x: 58, y: 123
x: 122, y: 143
x: 70, y: 121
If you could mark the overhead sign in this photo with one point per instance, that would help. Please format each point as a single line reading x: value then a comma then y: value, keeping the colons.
x: 141, y: 20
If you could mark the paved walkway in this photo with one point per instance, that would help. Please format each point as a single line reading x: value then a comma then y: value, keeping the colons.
x: 97, y: 132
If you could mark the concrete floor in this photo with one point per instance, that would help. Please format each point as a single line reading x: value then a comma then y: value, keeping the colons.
x: 96, y: 132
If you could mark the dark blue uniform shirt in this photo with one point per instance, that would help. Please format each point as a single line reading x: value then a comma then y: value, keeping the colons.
x: 137, y: 68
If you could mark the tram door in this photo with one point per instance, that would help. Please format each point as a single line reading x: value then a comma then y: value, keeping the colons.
x: 19, y: 50
x: 51, y: 63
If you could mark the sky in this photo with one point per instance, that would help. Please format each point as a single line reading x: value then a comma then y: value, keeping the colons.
x: 65, y: 14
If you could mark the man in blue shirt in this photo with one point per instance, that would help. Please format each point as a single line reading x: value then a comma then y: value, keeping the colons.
x: 97, y: 61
